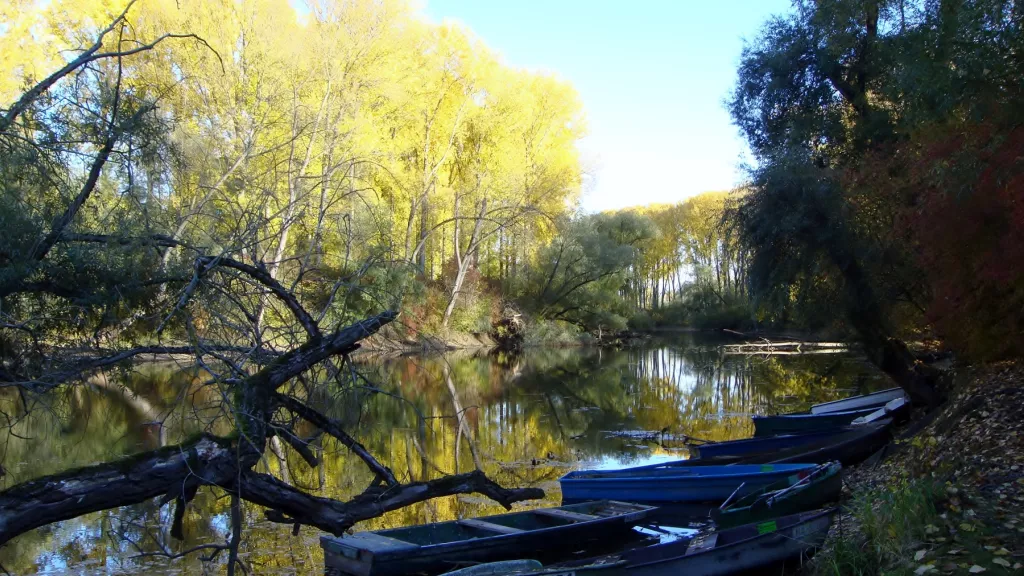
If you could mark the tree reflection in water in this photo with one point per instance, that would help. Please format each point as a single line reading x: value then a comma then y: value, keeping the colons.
x: 526, y: 419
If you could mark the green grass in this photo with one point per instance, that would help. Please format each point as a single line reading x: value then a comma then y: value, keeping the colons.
x: 904, y: 528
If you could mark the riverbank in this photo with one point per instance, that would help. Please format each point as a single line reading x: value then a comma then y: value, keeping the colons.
x: 949, y: 496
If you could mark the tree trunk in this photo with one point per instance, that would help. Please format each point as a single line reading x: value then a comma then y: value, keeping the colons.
x: 464, y: 262
x: 888, y: 353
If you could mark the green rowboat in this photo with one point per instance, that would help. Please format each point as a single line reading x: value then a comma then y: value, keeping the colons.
x: 797, y: 493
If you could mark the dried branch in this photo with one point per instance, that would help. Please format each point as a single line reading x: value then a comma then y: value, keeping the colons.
x: 290, y: 506
x: 333, y: 428
x: 263, y: 276
x: 300, y: 445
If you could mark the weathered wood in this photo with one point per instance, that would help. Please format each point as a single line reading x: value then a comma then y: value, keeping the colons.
x: 290, y: 505
x: 488, y: 526
x: 133, y: 480
x: 565, y: 514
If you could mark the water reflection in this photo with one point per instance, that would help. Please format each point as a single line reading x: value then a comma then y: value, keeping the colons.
x: 525, y: 420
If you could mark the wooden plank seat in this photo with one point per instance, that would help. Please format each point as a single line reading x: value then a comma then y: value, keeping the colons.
x: 377, y: 543
x: 489, y: 526
x: 565, y: 514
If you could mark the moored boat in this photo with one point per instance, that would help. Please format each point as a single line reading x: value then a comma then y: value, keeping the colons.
x: 440, y: 546
x: 849, y: 445
x: 798, y: 493
x: 744, y: 548
x: 671, y: 482
x: 799, y: 423
x: 735, y: 449
x: 874, y: 400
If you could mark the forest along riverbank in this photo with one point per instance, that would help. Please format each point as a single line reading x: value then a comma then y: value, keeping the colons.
x: 948, y: 498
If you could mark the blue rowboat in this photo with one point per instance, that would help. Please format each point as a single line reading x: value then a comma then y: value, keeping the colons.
x: 754, y: 446
x: 849, y: 445
x: 440, y: 546
x: 745, y: 548
x: 673, y: 483
x: 800, y: 423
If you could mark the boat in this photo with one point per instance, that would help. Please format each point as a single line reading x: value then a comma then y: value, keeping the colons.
x: 741, y: 549
x: 670, y: 482
x: 798, y: 423
x: 864, y: 401
x: 798, y: 493
x: 440, y: 546
x: 730, y: 450
x: 849, y: 445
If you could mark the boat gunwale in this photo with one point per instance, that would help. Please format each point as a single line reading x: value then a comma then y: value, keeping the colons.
x: 879, y: 393
x: 433, y: 549
x: 828, y: 471
x: 811, y: 516
x: 685, y: 472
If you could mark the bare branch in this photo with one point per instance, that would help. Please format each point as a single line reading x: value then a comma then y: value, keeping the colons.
x: 333, y: 427
x: 289, y: 505
x: 262, y: 276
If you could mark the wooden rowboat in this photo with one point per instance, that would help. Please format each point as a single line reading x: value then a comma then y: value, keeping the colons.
x: 800, y: 423
x: 850, y: 445
x: 434, y: 548
x: 740, y: 549
x: 873, y: 400
x: 671, y: 482
x: 732, y: 450
x: 798, y: 493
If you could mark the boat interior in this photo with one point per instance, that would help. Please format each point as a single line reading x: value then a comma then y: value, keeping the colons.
x: 513, y: 523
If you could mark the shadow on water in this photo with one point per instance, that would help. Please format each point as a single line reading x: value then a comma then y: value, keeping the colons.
x: 525, y: 419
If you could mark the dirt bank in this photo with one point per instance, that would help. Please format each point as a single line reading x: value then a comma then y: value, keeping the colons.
x: 948, y: 498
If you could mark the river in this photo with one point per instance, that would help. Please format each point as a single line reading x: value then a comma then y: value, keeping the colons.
x: 525, y: 420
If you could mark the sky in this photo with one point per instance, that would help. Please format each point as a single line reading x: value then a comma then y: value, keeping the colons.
x: 653, y: 76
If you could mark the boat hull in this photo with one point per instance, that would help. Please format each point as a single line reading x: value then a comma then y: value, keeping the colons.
x: 799, y: 423
x: 816, y: 494
x: 431, y: 549
x: 874, y: 400
x: 752, y: 547
x: 756, y: 446
x: 673, y: 483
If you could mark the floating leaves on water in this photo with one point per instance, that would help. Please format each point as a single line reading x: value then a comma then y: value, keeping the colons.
x: 1002, y: 562
x: 976, y: 569
x: 967, y: 527
x: 919, y: 555
x: 923, y: 569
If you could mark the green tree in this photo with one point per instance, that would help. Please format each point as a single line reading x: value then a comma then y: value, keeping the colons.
x: 823, y: 92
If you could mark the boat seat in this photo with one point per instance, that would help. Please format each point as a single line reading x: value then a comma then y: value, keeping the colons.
x: 566, y: 515
x: 488, y: 526
x: 376, y: 543
x: 703, y: 543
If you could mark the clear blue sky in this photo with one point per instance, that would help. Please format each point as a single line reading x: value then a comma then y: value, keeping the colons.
x: 652, y: 74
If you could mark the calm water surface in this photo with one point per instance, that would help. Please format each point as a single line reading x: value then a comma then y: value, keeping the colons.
x: 525, y: 420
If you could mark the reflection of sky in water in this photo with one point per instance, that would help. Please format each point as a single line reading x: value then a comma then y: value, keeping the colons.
x: 613, y: 462
x: 534, y: 418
